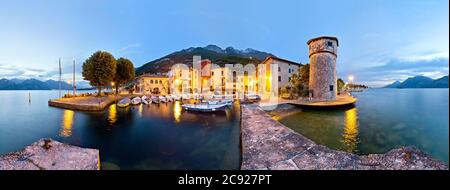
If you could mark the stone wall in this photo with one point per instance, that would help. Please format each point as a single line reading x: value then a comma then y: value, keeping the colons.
x: 322, y: 74
x: 267, y: 144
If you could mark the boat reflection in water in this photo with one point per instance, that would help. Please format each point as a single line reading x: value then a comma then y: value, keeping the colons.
x: 350, y: 135
x: 67, y: 123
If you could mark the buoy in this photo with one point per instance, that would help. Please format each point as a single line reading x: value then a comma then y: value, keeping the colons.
x: 29, y: 97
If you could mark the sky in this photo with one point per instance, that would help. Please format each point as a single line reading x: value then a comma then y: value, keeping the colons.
x: 380, y: 41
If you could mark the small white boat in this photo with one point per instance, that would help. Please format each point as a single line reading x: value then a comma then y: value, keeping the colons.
x: 176, y: 97
x: 162, y: 99
x: 169, y: 98
x: 155, y: 99
x: 217, y: 102
x: 145, y: 99
x: 204, y: 107
x: 136, y: 101
x: 124, y: 103
x: 185, y: 96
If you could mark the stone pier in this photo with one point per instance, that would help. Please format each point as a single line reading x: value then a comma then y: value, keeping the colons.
x: 47, y: 154
x: 268, y: 144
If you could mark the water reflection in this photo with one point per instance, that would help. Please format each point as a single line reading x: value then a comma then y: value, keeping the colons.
x: 177, y: 111
x: 350, y: 135
x: 112, y: 114
x: 67, y: 123
x: 140, y: 110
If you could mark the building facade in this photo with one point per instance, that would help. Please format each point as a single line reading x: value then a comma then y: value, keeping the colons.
x: 152, y: 84
x: 205, y: 77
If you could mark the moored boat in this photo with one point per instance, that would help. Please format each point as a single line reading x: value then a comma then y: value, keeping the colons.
x: 155, y: 99
x: 136, y: 100
x: 162, y: 99
x: 124, y: 103
x: 204, y: 107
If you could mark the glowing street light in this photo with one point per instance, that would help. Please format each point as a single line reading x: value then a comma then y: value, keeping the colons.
x: 350, y: 78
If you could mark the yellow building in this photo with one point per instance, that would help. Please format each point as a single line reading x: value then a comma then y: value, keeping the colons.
x: 152, y: 84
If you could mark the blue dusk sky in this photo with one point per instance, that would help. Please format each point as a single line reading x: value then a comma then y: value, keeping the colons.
x: 380, y: 41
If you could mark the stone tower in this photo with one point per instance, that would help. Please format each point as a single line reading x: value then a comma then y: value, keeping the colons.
x: 322, y: 71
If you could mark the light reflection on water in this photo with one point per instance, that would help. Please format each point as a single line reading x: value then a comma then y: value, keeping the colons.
x: 350, y: 135
x: 67, y: 123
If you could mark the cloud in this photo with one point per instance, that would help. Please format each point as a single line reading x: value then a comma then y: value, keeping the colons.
x: 130, y: 46
x: 400, y: 70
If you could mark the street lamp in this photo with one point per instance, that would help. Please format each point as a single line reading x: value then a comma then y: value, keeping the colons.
x: 351, y: 78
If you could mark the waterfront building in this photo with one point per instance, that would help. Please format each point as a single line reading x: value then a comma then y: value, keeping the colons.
x: 152, y: 84
x: 322, y: 73
x: 204, y: 77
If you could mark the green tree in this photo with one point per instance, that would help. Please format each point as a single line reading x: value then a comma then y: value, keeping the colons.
x: 99, y: 69
x: 124, y: 73
x: 304, y: 80
x: 340, y: 84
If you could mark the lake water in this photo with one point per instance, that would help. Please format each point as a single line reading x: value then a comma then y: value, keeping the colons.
x: 382, y: 119
x: 138, y: 137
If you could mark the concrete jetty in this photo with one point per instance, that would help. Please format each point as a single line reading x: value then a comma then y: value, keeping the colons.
x: 47, y: 154
x: 268, y: 144
x: 91, y: 103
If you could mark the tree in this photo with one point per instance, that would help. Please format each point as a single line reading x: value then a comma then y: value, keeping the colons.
x: 124, y: 72
x: 304, y: 80
x: 99, y: 69
x: 340, y: 84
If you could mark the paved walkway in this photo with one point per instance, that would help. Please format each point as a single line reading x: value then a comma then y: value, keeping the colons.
x: 267, y: 144
x: 51, y: 155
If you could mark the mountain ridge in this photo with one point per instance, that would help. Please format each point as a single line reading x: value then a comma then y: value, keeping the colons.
x: 32, y: 84
x: 420, y: 82
x: 212, y: 52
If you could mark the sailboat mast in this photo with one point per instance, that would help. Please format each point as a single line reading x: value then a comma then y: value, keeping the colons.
x: 74, y: 86
x: 59, y: 77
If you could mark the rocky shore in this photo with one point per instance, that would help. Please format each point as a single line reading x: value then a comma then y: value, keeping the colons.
x: 268, y: 144
x: 47, y: 154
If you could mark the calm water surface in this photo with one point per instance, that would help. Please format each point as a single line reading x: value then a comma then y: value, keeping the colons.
x: 381, y: 120
x: 138, y: 137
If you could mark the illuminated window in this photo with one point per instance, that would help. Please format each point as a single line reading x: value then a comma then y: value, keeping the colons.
x: 151, y: 81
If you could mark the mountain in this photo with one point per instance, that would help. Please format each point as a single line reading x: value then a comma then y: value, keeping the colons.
x: 395, y: 84
x: 420, y: 82
x: 441, y: 82
x: 32, y: 84
x: 214, y: 53
x: 52, y: 84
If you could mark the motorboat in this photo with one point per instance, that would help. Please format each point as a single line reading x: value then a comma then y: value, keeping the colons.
x: 228, y: 102
x: 124, y: 103
x: 145, y: 99
x: 204, y: 107
x: 136, y: 100
x: 162, y: 99
x: 155, y: 99
x: 169, y: 98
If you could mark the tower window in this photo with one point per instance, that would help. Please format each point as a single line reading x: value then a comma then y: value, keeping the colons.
x: 330, y: 44
x: 279, y: 78
x: 331, y: 87
x: 279, y: 69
